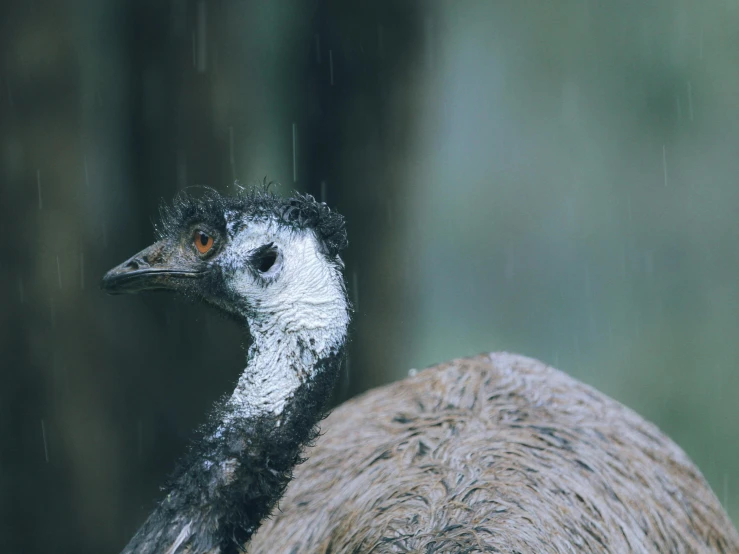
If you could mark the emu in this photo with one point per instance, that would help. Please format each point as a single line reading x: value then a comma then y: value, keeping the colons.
x: 495, y: 453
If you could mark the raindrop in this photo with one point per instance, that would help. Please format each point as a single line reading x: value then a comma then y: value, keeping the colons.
x: 593, y: 331
x: 57, y: 370
x: 649, y: 264
x: 87, y: 175
x: 347, y: 370
x: 318, y: 49
x: 202, y: 41
x: 331, y: 65
x: 38, y: 184
x: 58, y: 273
x: 412, y: 372
x: 726, y: 492
x: 231, y: 152
x: 323, y: 191
x: 690, y: 100
x: 43, y: 435
x: 295, y: 152
x: 610, y: 333
x: 82, y: 270
x: 664, y: 162
x: 355, y: 289
x: 140, y: 438
x: 623, y: 261
x: 194, y: 51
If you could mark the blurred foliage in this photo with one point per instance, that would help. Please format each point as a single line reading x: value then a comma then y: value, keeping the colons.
x: 557, y: 179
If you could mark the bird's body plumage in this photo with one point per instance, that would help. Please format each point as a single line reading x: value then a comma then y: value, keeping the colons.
x: 497, y: 453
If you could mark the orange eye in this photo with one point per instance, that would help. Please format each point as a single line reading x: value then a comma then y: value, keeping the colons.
x: 203, y: 241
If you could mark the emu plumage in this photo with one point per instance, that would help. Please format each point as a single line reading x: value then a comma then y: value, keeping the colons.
x: 497, y: 453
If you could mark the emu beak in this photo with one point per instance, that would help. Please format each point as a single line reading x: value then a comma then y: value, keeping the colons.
x: 157, y: 267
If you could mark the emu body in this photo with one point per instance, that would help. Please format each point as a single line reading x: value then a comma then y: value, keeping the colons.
x: 497, y: 453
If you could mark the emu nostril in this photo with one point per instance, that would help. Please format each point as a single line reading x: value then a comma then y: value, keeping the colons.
x: 136, y: 263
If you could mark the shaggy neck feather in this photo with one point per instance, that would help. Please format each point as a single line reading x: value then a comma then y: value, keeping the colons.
x: 234, y: 476
x: 281, y: 358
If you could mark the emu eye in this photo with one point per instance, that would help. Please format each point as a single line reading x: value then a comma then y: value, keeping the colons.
x: 203, y: 241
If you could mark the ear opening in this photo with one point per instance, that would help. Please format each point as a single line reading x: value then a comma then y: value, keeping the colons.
x: 264, y: 259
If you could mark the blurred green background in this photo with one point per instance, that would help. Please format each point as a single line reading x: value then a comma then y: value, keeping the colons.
x: 555, y: 179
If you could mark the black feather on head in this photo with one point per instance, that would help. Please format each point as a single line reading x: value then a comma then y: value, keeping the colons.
x: 299, y: 212
x: 303, y: 211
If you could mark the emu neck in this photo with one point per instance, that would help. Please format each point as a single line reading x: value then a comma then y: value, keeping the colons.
x: 279, y: 362
x: 234, y: 476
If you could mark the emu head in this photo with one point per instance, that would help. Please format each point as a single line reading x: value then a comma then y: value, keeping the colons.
x: 257, y: 256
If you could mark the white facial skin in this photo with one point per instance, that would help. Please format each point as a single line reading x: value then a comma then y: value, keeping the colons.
x: 297, y: 313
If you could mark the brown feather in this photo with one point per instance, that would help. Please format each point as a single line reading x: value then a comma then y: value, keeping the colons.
x: 497, y: 453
